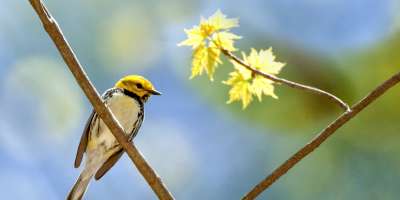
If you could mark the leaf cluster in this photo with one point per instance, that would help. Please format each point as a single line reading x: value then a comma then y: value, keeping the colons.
x: 210, y: 39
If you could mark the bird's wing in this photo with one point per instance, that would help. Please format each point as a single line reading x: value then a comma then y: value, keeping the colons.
x: 84, y: 140
x: 115, y: 157
x: 137, y: 124
x: 85, y: 135
x: 108, y: 164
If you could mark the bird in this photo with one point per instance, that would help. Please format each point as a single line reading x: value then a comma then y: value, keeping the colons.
x: 126, y: 101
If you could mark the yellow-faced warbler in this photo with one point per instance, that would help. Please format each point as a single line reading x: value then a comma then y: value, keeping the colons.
x: 126, y: 101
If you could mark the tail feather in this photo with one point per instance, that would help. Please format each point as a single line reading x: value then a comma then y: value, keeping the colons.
x: 79, y: 188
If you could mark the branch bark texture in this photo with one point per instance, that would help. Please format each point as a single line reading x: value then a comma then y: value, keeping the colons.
x: 322, y: 136
x: 55, y: 33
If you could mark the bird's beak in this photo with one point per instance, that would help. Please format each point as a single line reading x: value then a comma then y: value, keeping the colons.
x: 154, y: 92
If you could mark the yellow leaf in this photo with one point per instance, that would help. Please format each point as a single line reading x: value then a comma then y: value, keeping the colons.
x: 264, y: 61
x: 197, y: 61
x: 194, y: 39
x: 219, y: 21
x: 246, y: 74
x: 240, y: 90
x: 262, y: 86
x: 213, y: 59
x: 207, y: 27
x: 225, y: 40
x: 205, y: 59
x: 207, y: 39
x: 255, y: 85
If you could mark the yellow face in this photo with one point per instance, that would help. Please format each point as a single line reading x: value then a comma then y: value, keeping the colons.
x: 138, y: 85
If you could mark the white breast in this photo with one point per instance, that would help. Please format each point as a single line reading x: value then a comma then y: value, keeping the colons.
x: 126, y: 110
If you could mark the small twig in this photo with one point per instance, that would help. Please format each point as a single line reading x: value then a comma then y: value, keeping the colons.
x: 54, y: 31
x: 291, y: 84
x: 321, y: 137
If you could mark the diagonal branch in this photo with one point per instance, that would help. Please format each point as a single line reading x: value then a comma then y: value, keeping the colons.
x: 54, y: 31
x: 291, y: 84
x: 322, y: 136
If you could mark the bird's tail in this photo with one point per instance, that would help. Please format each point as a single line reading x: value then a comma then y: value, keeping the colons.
x: 80, y: 187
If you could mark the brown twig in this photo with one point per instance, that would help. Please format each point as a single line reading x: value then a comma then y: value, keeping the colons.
x: 321, y: 137
x: 54, y: 31
x: 291, y: 84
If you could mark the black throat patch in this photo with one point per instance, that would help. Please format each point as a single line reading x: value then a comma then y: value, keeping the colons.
x: 134, y: 96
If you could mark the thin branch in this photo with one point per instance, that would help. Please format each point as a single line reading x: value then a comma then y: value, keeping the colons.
x: 54, y: 31
x: 322, y: 136
x: 291, y: 84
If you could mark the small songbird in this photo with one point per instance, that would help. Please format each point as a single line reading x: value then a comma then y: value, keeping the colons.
x: 126, y: 101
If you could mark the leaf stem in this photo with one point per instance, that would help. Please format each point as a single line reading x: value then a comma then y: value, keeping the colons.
x: 55, y: 33
x: 291, y: 84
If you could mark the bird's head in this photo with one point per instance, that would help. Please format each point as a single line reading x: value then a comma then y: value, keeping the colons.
x: 137, y: 85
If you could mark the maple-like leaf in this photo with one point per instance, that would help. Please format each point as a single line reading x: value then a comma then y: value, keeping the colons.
x: 205, y: 59
x: 264, y: 61
x: 207, y: 39
x: 240, y: 90
x: 213, y: 59
x: 262, y: 86
x: 195, y: 38
x: 207, y: 27
x: 225, y: 40
x: 219, y: 21
x: 213, y: 35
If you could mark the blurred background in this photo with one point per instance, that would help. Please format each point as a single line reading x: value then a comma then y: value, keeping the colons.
x: 200, y: 146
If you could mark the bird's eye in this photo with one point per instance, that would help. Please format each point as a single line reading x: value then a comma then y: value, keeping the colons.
x: 139, y: 86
